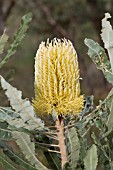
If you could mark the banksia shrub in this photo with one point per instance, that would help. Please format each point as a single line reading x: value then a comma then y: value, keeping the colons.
x: 68, y: 142
x: 57, y: 84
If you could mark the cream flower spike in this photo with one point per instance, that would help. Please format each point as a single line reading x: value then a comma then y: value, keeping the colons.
x: 57, y: 84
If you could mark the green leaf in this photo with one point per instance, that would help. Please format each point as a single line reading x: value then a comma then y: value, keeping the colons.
x: 109, y: 103
x: 28, y: 149
x: 18, y: 159
x: 7, y: 114
x: 22, y: 107
x: 109, y: 76
x: 5, y: 134
x: 3, y: 40
x: 53, y: 160
x: 97, y: 54
x: 26, y: 19
x: 88, y: 105
x: 107, y: 37
x: 110, y: 94
x: 11, y: 117
x: 5, y: 162
x: 67, y: 166
x: 109, y: 99
x: 91, y: 158
x: 99, y: 57
x: 73, y: 147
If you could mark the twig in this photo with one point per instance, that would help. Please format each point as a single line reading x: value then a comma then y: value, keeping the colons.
x: 53, y: 151
x: 52, y: 127
x: 48, y: 145
x: 69, y: 126
x: 51, y: 21
x: 52, y: 137
x: 9, y: 9
x: 86, y: 132
x: 50, y: 133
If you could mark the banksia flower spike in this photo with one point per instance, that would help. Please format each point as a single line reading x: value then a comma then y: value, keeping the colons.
x: 57, y: 84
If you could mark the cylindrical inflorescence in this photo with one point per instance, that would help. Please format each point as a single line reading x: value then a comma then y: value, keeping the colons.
x: 57, y: 84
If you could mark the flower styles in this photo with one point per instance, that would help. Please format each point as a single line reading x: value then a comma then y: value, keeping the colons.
x: 57, y: 84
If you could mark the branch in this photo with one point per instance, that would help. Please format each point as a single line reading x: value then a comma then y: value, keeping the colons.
x: 51, y: 21
x: 9, y: 9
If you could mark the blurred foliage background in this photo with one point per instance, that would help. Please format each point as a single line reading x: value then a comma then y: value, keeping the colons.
x: 72, y: 19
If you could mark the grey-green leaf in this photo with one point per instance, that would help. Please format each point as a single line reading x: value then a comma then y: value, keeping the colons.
x: 3, y: 40
x: 26, y: 19
x: 109, y: 103
x: 22, y: 106
x: 107, y: 37
x: 73, y: 147
x: 88, y: 105
x: 109, y: 76
x: 97, y: 54
x: 91, y: 158
x: 5, y: 134
x: 99, y: 57
x: 7, y: 114
x: 28, y: 149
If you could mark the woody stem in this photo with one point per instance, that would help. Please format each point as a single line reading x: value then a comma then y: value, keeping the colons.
x: 61, y: 139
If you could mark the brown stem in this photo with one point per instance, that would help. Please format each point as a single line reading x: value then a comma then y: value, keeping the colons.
x: 61, y: 139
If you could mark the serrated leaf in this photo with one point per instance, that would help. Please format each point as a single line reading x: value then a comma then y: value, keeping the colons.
x: 99, y: 57
x: 5, y: 162
x: 91, y: 158
x: 22, y: 107
x: 3, y: 40
x: 73, y: 147
x: 28, y: 149
x: 26, y: 19
x: 107, y: 36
